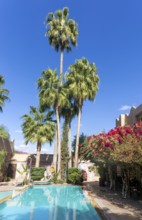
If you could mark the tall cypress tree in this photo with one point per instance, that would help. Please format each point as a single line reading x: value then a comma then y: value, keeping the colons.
x: 64, y: 151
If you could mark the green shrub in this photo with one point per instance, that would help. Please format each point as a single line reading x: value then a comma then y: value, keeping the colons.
x: 55, y: 179
x: 37, y: 173
x: 75, y: 176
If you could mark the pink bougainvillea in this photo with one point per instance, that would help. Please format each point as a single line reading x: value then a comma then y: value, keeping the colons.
x: 120, y: 143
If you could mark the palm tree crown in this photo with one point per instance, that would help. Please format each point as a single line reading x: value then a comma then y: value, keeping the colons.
x: 3, y: 93
x: 38, y: 127
x: 62, y: 32
x: 82, y: 80
x: 51, y: 92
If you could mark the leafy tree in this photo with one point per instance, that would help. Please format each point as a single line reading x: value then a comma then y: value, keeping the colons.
x: 62, y: 32
x: 3, y: 93
x: 38, y: 128
x: 82, y: 81
x: 121, y: 146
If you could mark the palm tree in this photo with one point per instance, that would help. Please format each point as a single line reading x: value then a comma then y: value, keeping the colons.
x: 3, y: 93
x: 52, y: 95
x: 82, y: 81
x: 62, y: 32
x: 38, y: 128
x: 4, y: 132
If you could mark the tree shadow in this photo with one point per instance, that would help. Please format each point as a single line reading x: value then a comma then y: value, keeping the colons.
x: 115, y: 198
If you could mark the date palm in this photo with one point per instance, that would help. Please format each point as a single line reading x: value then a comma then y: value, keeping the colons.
x: 52, y: 95
x: 82, y: 81
x: 62, y: 32
x: 38, y: 128
x: 3, y: 93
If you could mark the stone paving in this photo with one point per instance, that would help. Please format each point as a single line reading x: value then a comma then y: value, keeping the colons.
x: 112, y: 205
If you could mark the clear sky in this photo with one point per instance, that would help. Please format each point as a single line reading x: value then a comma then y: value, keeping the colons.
x: 110, y: 34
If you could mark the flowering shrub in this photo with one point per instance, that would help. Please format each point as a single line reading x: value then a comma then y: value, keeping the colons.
x: 122, y: 144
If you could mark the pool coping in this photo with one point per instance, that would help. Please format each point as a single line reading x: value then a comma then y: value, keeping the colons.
x: 98, y: 208
x: 18, y: 191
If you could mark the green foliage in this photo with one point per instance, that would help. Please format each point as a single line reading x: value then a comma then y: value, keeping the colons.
x: 82, y: 138
x: 37, y: 173
x: 25, y: 170
x: 83, y: 81
x: 74, y: 176
x: 64, y: 151
x: 3, y: 93
x: 4, y: 132
x: 39, y: 128
x: 2, y: 158
x: 55, y: 179
x: 92, y: 168
x: 62, y: 32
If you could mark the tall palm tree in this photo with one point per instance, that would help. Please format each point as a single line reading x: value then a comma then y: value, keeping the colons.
x: 82, y: 81
x: 38, y: 128
x: 52, y: 95
x: 62, y: 32
x: 3, y: 93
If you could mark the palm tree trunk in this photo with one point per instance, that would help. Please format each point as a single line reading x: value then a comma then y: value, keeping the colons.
x: 61, y: 61
x: 38, y: 154
x: 58, y: 140
x: 55, y: 151
x: 58, y: 118
x: 70, y: 146
x: 77, y: 137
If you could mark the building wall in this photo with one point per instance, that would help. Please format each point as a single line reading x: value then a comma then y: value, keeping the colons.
x: 134, y: 116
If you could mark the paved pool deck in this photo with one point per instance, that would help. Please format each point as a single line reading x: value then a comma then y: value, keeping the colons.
x: 111, y: 205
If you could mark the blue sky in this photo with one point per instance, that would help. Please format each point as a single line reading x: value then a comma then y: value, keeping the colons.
x: 110, y: 34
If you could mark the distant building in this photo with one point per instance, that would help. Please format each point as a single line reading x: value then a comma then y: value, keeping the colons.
x: 134, y: 116
x: 18, y: 161
x: 45, y: 160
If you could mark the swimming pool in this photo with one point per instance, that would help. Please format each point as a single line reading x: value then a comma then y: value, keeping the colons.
x: 5, y: 194
x: 49, y: 203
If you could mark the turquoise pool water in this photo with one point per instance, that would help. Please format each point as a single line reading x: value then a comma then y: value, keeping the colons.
x: 49, y: 203
x: 5, y: 194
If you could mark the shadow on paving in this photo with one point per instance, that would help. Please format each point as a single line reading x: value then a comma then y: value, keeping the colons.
x: 115, y: 198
